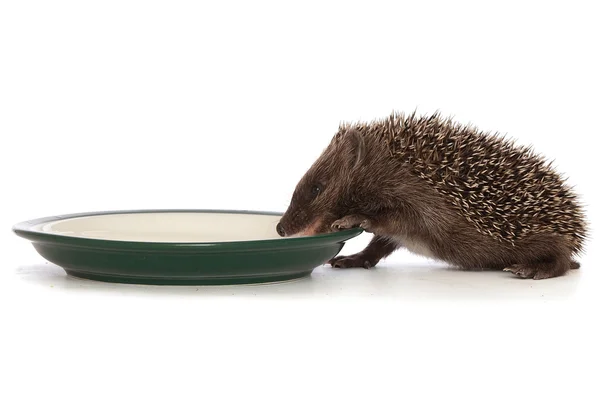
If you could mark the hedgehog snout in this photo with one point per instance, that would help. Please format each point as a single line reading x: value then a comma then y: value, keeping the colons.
x: 280, y: 230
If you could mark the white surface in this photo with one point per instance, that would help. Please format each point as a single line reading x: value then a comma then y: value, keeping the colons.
x: 137, y: 105
x: 168, y: 227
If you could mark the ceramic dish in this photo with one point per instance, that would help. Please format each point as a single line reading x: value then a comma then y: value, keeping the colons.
x: 179, y: 247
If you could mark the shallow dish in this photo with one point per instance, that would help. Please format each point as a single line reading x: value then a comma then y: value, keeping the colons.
x: 179, y: 247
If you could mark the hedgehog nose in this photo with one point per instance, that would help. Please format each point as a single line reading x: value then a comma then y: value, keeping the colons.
x: 280, y: 229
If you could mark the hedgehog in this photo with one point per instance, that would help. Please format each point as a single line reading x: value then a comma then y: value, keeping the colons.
x: 444, y: 190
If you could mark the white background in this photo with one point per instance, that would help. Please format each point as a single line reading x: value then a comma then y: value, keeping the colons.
x: 133, y: 105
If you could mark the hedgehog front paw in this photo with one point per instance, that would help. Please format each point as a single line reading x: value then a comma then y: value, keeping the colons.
x: 352, y: 221
x: 358, y: 260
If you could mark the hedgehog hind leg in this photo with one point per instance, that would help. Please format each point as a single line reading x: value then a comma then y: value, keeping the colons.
x: 543, y: 269
x: 542, y: 256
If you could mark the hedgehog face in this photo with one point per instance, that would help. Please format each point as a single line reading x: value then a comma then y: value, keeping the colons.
x: 325, y: 188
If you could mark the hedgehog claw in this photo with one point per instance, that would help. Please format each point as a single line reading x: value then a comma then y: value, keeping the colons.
x: 366, y: 225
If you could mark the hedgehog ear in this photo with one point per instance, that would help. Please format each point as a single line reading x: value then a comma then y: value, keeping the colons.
x: 355, y: 145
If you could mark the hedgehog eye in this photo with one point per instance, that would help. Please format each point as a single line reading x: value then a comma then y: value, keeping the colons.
x: 315, y: 190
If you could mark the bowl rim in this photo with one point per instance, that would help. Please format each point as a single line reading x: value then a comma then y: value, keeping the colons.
x: 25, y: 229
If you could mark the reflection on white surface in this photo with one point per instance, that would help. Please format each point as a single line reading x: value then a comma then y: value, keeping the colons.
x: 422, y: 282
x: 168, y: 227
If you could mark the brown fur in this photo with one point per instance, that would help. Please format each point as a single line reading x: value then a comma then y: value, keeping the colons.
x: 471, y: 199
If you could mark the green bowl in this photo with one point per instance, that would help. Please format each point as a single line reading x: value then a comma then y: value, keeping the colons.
x: 179, y: 247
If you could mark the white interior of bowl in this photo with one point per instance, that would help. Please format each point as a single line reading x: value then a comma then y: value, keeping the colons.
x: 168, y: 227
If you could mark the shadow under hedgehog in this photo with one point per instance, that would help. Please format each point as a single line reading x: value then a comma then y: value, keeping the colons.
x: 442, y: 190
